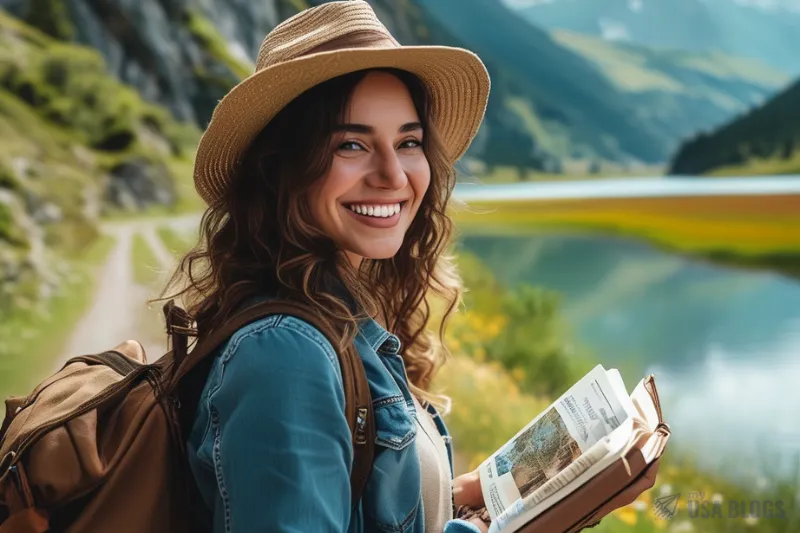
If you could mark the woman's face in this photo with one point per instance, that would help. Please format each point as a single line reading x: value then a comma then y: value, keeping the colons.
x: 379, y: 173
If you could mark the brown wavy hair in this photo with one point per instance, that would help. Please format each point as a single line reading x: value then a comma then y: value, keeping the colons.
x: 261, y: 238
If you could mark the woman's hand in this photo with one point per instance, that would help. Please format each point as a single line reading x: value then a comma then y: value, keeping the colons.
x: 467, y: 490
x: 482, y: 526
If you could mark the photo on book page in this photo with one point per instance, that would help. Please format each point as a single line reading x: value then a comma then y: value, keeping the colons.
x: 590, y: 410
x: 539, y: 453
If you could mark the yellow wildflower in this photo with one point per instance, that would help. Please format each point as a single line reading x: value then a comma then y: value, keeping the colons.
x: 627, y: 515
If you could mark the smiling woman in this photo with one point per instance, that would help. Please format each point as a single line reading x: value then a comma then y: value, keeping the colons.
x: 379, y: 174
x: 327, y: 175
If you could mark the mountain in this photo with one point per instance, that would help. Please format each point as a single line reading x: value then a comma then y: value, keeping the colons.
x: 586, y: 98
x: 677, y: 92
x: 759, y: 29
x: 765, y: 140
x: 555, y: 97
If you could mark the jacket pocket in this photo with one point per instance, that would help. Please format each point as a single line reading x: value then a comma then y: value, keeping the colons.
x: 391, y: 501
x: 394, y: 425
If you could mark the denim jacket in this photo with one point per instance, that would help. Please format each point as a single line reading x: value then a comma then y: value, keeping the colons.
x: 270, y: 447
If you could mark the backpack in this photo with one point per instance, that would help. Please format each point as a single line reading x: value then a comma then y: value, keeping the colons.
x: 100, y: 445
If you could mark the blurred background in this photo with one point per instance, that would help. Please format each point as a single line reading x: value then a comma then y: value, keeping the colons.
x: 633, y: 200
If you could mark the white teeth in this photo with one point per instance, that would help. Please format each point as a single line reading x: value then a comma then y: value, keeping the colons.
x: 379, y: 211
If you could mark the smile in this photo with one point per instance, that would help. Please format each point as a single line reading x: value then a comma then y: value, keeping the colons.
x: 375, y: 215
x: 376, y: 210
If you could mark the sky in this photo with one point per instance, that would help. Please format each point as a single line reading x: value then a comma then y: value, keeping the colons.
x: 793, y: 5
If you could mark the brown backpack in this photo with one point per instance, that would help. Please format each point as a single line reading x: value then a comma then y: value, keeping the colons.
x: 99, y: 445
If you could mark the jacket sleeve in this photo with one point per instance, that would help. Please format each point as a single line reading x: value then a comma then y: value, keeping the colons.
x: 280, y: 441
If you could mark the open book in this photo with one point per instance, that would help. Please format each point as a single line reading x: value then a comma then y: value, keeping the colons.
x: 590, y: 427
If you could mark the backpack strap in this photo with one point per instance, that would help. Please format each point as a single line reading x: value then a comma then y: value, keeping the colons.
x: 358, y: 401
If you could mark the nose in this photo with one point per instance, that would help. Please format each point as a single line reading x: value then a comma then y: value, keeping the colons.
x: 389, y: 172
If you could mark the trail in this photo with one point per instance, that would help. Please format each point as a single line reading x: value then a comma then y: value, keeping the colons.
x: 119, y: 309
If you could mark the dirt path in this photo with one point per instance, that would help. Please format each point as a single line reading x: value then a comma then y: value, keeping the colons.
x: 119, y: 310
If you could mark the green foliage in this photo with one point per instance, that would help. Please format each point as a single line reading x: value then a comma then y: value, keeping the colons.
x: 145, y: 263
x: 532, y: 345
x: 476, y: 423
x: 768, y: 134
x: 33, y: 331
x: 6, y: 222
x: 8, y: 180
x: 51, y: 17
x: 210, y: 40
x: 177, y: 244
x: 9, y: 229
x: 70, y: 88
x: 519, y: 328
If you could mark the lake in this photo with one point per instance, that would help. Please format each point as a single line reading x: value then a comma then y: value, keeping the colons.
x: 724, y: 343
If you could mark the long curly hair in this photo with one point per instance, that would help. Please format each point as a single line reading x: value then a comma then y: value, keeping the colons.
x: 261, y: 238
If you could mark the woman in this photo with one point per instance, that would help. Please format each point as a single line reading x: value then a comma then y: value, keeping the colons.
x: 327, y: 174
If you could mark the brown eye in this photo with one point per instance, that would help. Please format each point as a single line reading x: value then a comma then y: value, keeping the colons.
x: 350, y: 146
x: 410, y: 143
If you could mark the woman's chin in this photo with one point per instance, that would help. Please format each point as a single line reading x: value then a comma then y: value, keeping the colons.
x: 375, y: 251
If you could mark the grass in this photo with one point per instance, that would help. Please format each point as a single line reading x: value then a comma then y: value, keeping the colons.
x: 146, y: 268
x: 177, y: 244
x: 475, y: 421
x: 759, y: 167
x: 759, y: 231
x: 31, y: 337
x: 574, y: 171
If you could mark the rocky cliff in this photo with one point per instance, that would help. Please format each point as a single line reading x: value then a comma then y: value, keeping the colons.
x: 168, y: 49
x: 76, y: 144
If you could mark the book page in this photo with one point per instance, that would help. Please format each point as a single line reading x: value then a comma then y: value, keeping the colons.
x: 589, y: 411
x: 598, y: 457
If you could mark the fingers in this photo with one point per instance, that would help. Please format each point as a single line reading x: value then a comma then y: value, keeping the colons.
x: 483, y: 526
x: 467, y: 490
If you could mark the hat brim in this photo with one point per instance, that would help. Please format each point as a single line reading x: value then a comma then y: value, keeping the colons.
x: 456, y: 79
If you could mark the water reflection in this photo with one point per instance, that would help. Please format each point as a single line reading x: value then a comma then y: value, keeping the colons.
x: 725, y: 343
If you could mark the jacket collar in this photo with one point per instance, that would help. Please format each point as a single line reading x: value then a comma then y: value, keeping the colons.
x: 378, y: 338
x: 375, y: 335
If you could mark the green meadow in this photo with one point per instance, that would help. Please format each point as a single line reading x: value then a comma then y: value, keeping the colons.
x: 746, y: 231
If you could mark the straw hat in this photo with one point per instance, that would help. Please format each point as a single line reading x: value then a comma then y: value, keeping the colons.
x: 321, y: 43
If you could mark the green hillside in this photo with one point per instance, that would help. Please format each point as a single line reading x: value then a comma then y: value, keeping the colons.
x: 765, y: 140
x: 558, y: 101
x: 76, y: 144
x: 582, y: 98
x: 638, y: 69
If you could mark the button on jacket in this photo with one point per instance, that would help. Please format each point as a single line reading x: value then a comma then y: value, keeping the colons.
x: 270, y: 447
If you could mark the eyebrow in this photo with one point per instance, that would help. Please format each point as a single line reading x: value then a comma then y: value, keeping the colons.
x: 363, y: 128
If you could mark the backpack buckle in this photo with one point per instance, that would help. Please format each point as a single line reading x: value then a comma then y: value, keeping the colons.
x: 6, y: 461
x: 361, y: 423
x: 19, y: 481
